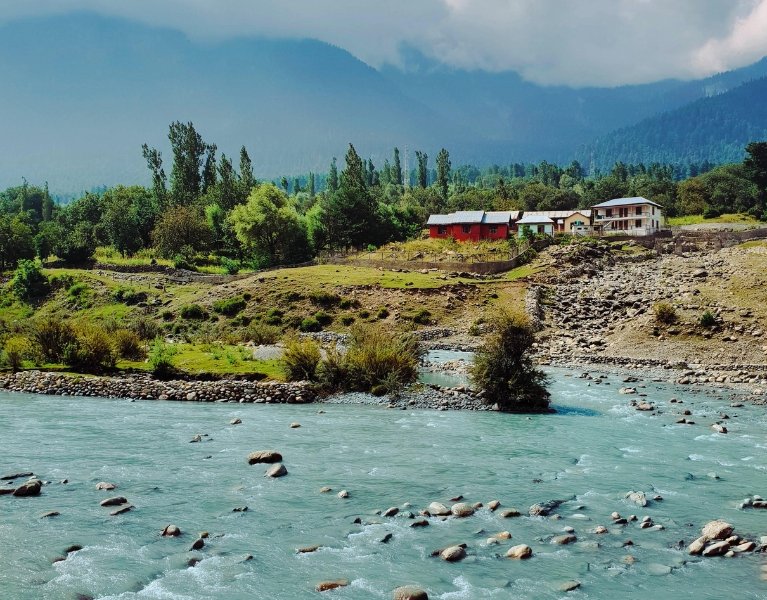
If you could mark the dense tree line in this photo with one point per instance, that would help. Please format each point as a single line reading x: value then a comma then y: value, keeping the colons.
x: 208, y: 206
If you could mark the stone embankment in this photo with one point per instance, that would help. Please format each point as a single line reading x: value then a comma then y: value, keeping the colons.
x: 143, y: 387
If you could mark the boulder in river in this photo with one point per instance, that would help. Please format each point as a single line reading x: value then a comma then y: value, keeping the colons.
x: 438, y: 509
x: 105, y: 485
x: 409, y: 592
x: 390, y: 512
x: 277, y: 470
x: 461, y: 510
x: 236, y: 421
x: 716, y: 530
x: 639, y: 498
x: 324, y: 586
x: 716, y: 549
x: 264, y: 456
x: 114, y: 501
x: 13, y: 476
x: 30, y: 488
x: 543, y: 509
x: 453, y: 553
x: 561, y: 540
x: 198, y: 544
x: 520, y: 552
x: 569, y: 586
x: 171, y: 531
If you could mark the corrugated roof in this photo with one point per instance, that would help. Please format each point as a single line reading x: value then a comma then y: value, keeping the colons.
x: 465, y: 217
x: 468, y: 216
x: 625, y: 202
x: 440, y: 220
x: 557, y: 214
x: 529, y: 219
x: 499, y: 217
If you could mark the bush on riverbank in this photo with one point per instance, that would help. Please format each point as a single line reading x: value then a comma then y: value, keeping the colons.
x: 504, y: 370
x: 301, y: 358
x: 665, y: 313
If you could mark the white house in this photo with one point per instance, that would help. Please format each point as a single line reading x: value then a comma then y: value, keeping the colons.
x: 535, y: 224
x: 627, y: 216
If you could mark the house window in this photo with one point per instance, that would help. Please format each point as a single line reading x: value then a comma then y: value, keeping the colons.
x: 466, y: 228
x: 493, y: 229
x: 653, y: 210
x: 442, y: 230
x: 639, y: 210
x: 609, y: 212
x: 638, y: 223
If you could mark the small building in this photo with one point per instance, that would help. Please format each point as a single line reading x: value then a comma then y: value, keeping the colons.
x: 536, y: 225
x: 472, y: 225
x: 627, y: 216
x: 575, y: 221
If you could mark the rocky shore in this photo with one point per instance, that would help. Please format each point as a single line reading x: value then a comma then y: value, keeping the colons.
x: 144, y: 387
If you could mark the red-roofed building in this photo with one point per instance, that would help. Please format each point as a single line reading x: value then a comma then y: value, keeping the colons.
x: 473, y: 225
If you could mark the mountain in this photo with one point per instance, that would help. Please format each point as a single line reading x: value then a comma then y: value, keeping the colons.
x: 81, y: 93
x: 714, y: 129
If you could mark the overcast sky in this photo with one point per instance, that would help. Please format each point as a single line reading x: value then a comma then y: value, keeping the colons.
x: 577, y: 42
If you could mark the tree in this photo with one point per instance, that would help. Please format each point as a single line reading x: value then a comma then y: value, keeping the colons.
x: 179, y: 227
x: 504, y: 370
x: 756, y: 169
x: 397, y: 168
x: 269, y: 225
x: 120, y: 221
x: 188, y: 148
x: 153, y: 159
x: 16, y: 240
x: 443, y: 172
x: 228, y: 192
x: 312, y: 185
x: 28, y: 280
x: 209, y: 170
x: 333, y: 176
x: 285, y: 184
x: 247, y: 179
x: 423, y: 169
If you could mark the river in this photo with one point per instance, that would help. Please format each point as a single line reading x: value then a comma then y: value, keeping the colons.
x: 594, y: 450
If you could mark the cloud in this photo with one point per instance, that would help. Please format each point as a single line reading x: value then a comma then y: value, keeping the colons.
x: 600, y: 42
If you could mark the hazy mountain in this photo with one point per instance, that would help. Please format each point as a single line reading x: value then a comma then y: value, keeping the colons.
x: 82, y: 93
x: 714, y: 129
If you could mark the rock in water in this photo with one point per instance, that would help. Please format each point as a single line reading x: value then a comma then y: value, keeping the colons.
x: 639, y: 498
x: 716, y: 549
x: 697, y: 546
x: 277, y: 470
x: 562, y: 540
x: 343, y: 494
x: 235, y: 422
x: 115, y: 501
x: 390, y: 512
x: 121, y: 510
x: 171, y: 531
x: 409, y: 592
x: 13, y: 476
x: 543, y: 509
x: 104, y: 485
x: 53, y: 513
x: 520, y: 552
x: 264, y: 456
x: 198, y: 544
x: 716, y: 530
x: 438, y: 509
x: 453, y: 553
x: 461, y: 510
x: 569, y: 586
x: 324, y: 586
x: 30, y: 488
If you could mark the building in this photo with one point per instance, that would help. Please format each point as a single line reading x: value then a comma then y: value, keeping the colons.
x: 565, y: 221
x: 627, y: 216
x: 536, y: 225
x: 472, y: 225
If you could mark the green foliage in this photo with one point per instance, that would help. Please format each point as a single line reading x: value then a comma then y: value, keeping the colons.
x: 128, y: 345
x: 179, y: 228
x: 145, y: 327
x: 229, y: 306
x: 347, y: 320
x: 301, y: 358
x: 231, y: 266
x: 310, y: 324
x: 162, y: 358
x: 16, y: 350
x: 52, y: 336
x: 128, y: 296
x: 323, y: 318
x: 665, y: 313
x: 376, y: 359
x: 324, y: 299
x: 420, y: 316
x: 80, y: 295
x: 274, y: 316
x: 28, y: 281
x: 504, y: 370
x: 262, y: 334
x: 707, y: 319
x: 382, y: 313
x: 192, y: 312
x: 16, y: 240
x: 91, y: 350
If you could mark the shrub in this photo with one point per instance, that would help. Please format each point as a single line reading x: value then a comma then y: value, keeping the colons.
x: 323, y: 318
x: 260, y: 333
x: 664, y: 313
x: 707, y: 319
x: 231, y: 266
x: 80, y: 294
x: 193, y: 312
x: 161, y: 358
x: 347, y: 320
x: 310, y: 324
x: 229, y: 306
x: 382, y: 313
x: 274, y: 316
x: 28, y: 281
x: 301, y: 359
x: 347, y: 303
x: 16, y: 350
x: 364, y: 314
x: 91, y: 349
x: 504, y: 370
x: 420, y: 316
x: 128, y: 345
x: 324, y: 299
x: 51, y: 336
x: 167, y: 315
x: 145, y: 328
x: 128, y: 296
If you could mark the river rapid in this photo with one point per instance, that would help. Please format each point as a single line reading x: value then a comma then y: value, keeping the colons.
x: 593, y: 451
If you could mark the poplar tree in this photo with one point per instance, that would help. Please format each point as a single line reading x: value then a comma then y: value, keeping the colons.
x: 246, y: 171
x: 443, y: 172
x: 423, y: 172
x: 397, y: 168
x: 188, y: 148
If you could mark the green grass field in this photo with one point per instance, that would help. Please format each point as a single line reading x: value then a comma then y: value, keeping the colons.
x: 698, y: 219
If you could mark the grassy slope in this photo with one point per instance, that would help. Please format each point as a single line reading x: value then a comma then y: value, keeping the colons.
x: 698, y: 219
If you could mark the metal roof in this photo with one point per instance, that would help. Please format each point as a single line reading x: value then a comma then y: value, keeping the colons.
x: 626, y: 202
x: 529, y: 219
x: 558, y: 214
x: 440, y: 220
x: 466, y: 217
x: 500, y: 217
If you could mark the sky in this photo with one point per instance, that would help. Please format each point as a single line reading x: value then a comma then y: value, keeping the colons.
x: 571, y: 42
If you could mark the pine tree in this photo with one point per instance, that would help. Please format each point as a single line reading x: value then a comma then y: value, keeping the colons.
x: 47, y: 208
x: 423, y: 169
x: 246, y: 171
x: 333, y: 176
x: 397, y: 168
x: 209, y: 170
x: 312, y: 185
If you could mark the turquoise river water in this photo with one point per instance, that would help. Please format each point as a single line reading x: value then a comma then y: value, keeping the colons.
x: 594, y: 450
